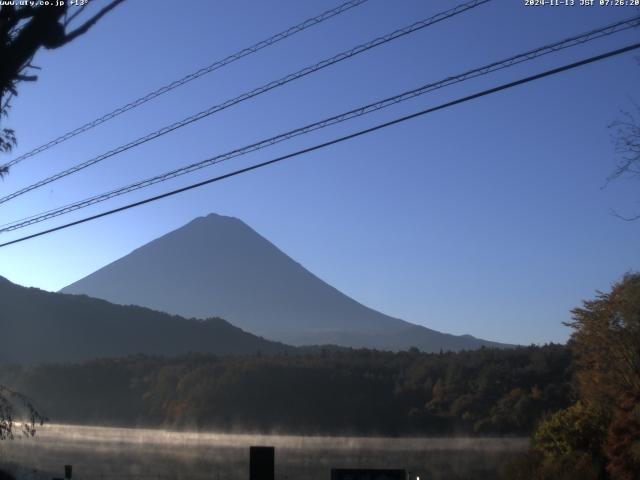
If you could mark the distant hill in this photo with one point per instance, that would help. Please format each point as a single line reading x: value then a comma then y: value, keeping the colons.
x: 38, y: 326
x: 219, y: 266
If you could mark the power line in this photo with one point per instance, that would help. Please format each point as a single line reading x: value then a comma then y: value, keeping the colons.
x: 387, y: 102
x: 192, y: 76
x: 253, y: 93
x: 359, y: 133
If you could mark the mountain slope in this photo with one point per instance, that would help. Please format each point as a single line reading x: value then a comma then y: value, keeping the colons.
x: 218, y: 266
x: 40, y: 326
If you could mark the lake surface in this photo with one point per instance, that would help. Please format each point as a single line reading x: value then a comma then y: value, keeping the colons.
x: 147, y: 454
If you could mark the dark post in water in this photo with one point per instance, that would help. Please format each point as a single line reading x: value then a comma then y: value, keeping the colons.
x: 367, y: 474
x: 261, y: 463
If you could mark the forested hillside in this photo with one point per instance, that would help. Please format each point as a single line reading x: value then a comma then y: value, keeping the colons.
x: 53, y: 327
x: 488, y: 391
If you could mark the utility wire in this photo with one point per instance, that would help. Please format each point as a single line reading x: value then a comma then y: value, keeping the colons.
x: 192, y: 76
x: 380, y: 126
x: 253, y: 93
x: 387, y: 102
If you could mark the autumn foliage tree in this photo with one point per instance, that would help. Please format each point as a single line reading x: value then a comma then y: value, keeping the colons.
x: 603, y: 428
x: 623, y: 445
x: 606, y: 340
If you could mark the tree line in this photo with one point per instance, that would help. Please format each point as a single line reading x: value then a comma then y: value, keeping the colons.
x: 329, y: 391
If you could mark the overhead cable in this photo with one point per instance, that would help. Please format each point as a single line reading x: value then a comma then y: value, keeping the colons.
x: 380, y: 126
x: 253, y: 93
x: 188, y: 78
x: 363, y: 110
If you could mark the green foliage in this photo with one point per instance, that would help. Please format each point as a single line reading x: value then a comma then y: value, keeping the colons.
x: 579, y: 428
x: 332, y: 391
x: 534, y: 466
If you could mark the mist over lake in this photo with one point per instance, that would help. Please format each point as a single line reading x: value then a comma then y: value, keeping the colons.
x: 103, y: 452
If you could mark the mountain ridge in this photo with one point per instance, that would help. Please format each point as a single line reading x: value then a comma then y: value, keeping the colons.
x: 54, y: 327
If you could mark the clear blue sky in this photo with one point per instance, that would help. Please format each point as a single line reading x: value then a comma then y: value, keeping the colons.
x: 487, y: 218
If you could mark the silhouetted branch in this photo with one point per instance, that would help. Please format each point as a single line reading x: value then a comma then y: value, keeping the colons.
x: 27, y: 78
x: 23, y: 31
x: 626, y: 140
x: 10, y: 400
x: 74, y: 16
x: 84, y: 28
x: 626, y: 219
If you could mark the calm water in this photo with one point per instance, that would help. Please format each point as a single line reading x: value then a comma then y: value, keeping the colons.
x: 144, y: 454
